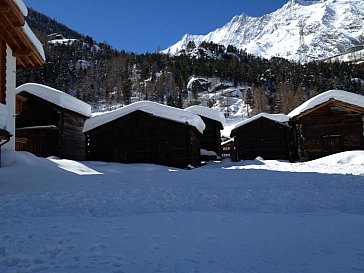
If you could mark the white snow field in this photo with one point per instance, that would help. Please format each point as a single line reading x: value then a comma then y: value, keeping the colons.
x: 251, y: 216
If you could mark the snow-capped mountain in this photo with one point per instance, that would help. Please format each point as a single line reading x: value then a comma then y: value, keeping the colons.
x: 300, y: 30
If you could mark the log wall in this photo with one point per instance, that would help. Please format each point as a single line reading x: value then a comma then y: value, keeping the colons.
x: 329, y: 130
x: 143, y: 138
x: 265, y: 138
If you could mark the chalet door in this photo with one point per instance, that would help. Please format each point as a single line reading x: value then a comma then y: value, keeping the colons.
x: 332, y: 143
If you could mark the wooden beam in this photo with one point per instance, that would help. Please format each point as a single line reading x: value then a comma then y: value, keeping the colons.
x: 30, y: 61
x: 20, y: 63
x: 9, y: 33
x: 17, y: 16
x: 21, y: 52
x: 19, y: 43
x: 4, y: 9
x: 351, y: 107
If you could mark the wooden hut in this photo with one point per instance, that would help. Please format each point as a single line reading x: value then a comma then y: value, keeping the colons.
x: 265, y: 135
x: 211, y: 137
x: 328, y: 123
x: 145, y: 132
x: 19, y: 48
x: 50, y: 122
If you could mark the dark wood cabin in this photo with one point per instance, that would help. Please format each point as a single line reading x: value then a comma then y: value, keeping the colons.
x: 47, y: 129
x: 330, y: 127
x: 263, y: 135
x: 211, y: 137
x: 142, y: 137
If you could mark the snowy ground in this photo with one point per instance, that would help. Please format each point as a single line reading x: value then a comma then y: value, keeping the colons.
x: 252, y: 216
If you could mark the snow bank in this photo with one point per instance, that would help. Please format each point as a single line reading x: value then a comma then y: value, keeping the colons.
x: 281, y: 118
x: 351, y: 162
x: 3, y: 116
x: 207, y: 113
x: 339, y: 95
x: 34, y: 40
x: 11, y: 159
x: 57, y: 97
x: 350, y: 157
x: 153, y: 108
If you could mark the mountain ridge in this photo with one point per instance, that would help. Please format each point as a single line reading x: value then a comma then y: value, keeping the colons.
x: 298, y: 31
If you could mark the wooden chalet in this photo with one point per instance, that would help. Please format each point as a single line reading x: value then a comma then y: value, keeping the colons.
x: 266, y: 135
x: 145, y: 132
x: 50, y: 122
x: 228, y: 149
x: 329, y: 123
x: 211, y: 137
x: 19, y: 48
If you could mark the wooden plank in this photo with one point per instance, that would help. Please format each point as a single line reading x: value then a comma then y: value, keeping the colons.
x: 334, y: 127
x: 264, y: 138
x: 11, y: 24
x: 16, y: 15
x: 4, y: 8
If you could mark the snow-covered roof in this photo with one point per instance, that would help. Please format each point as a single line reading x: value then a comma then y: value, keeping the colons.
x: 208, y: 113
x: 281, y: 118
x: 153, y: 108
x: 34, y: 40
x: 3, y: 116
x: 56, y: 97
x: 23, y: 9
x: 339, y: 95
x: 227, y: 141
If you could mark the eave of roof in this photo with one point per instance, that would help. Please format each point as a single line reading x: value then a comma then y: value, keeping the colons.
x: 16, y: 33
x: 277, y: 118
x: 346, y: 99
x: 56, y: 97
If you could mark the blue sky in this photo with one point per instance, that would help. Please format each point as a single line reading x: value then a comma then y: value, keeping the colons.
x: 144, y: 25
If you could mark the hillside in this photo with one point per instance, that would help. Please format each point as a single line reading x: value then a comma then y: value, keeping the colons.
x: 354, y: 55
x: 300, y: 31
x: 225, y: 78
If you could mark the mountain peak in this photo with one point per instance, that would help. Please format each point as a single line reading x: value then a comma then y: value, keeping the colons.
x: 300, y: 31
